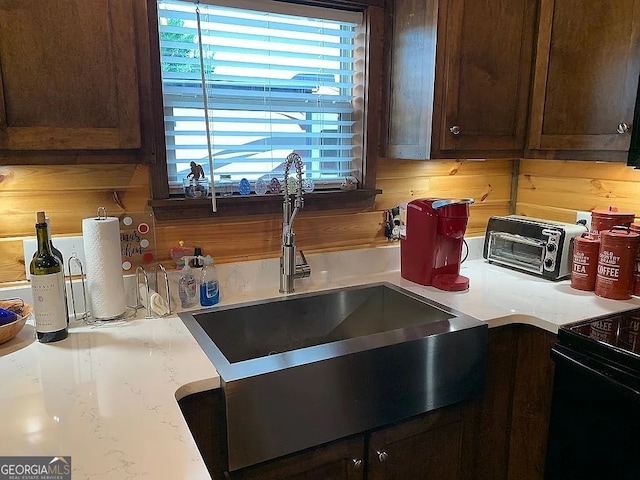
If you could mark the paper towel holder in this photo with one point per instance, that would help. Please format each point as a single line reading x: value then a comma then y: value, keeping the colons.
x: 74, y: 260
x: 102, y: 213
x: 86, y: 315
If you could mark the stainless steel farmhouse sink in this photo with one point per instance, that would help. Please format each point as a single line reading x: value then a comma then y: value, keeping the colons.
x: 302, y: 370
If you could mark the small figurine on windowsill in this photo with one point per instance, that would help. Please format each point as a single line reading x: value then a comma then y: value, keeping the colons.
x: 196, y: 171
x: 198, y: 185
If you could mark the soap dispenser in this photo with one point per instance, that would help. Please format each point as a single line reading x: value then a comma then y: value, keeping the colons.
x: 187, y: 285
x: 209, y: 285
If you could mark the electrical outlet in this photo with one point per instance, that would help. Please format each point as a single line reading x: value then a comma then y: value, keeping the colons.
x: 67, y: 246
x: 586, y: 216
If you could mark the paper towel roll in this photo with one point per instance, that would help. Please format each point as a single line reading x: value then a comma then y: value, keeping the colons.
x: 105, y: 284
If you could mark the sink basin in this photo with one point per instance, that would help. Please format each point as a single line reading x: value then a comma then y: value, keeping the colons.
x: 302, y: 370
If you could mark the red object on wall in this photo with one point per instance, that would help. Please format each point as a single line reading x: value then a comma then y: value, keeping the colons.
x: 431, y: 247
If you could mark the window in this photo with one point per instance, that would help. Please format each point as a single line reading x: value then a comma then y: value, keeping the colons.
x: 277, y: 81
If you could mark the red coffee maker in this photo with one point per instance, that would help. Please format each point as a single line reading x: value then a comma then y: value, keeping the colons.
x: 431, y: 245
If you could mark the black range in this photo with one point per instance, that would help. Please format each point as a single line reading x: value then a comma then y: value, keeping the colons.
x: 595, y: 416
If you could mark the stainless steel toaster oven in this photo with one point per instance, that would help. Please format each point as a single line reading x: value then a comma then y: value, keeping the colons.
x: 532, y: 245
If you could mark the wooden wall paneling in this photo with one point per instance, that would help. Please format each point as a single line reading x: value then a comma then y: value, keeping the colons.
x: 495, y: 189
x: 557, y: 189
x: 11, y: 260
x: 56, y: 178
x: 480, y: 188
x: 260, y: 237
x: 550, y: 213
x: 578, y: 193
x: 389, y: 168
x: 579, y: 169
x: 65, y: 209
x: 67, y: 194
x: 402, y: 181
x: 226, y: 241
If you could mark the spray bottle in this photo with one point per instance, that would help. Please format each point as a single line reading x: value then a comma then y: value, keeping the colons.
x: 187, y: 285
x: 209, y: 286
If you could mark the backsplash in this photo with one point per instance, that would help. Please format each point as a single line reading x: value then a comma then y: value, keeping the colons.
x: 549, y: 189
x: 259, y: 278
x: 73, y: 192
x: 555, y: 189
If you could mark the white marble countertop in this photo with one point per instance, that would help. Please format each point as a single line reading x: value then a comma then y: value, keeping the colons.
x: 107, y: 396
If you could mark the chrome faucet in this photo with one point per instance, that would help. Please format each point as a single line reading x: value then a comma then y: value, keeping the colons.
x: 289, y: 270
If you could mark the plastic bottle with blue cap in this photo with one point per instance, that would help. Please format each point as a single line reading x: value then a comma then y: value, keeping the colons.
x: 209, y: 285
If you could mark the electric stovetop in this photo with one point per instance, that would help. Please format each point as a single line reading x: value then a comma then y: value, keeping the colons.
x: 612, y: 338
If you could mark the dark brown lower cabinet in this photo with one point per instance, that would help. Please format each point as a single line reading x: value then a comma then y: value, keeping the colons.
x: 428, y: 446
x: 501, y: 435
x: 435, y: 446
x: 512, y: 417
x: 342, y: 460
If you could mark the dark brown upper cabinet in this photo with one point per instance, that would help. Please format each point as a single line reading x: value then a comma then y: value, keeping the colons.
x: 69, y: 79
x: 585, y: 80
x: 459, y: 77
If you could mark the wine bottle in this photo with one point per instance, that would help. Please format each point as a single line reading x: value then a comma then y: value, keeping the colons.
x: 47, y: 287
x: 58, y: 254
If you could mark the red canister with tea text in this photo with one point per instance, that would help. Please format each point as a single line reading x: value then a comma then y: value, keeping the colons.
x: 585, y: 261
x: 616, y: 261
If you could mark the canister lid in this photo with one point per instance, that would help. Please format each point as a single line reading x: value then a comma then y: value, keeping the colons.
x: 612, y: 214
x: 621, y: 233
x: 587, y: 237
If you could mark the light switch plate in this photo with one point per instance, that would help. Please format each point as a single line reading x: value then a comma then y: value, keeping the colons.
x: 67, y: 245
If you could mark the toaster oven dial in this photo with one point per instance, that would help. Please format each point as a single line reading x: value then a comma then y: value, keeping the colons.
x: 551, y: 249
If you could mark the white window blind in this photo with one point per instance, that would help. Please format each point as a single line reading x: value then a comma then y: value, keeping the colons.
x: 276, y: 83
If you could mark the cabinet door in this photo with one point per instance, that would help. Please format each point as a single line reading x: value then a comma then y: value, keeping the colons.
x: 483, y: 71
x: 586, y: 75
x: 68, y: 76
x: 342, y: 460
x: 411, y: 51
x: 429, y: 446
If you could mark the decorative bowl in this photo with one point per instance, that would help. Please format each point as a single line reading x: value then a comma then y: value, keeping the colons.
x: 10, y: 330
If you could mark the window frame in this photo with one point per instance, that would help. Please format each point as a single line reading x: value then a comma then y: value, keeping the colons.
x: 166, y: 207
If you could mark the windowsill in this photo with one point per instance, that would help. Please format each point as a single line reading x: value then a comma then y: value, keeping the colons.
x: 179, y: 208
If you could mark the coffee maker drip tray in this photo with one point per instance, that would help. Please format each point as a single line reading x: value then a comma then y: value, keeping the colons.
x: 451, y: 282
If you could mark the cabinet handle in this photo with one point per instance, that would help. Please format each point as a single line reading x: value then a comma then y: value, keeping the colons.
x: 357, y: 463
x: 455, y: 130
x: 382, y: 456
x: 622, y: 128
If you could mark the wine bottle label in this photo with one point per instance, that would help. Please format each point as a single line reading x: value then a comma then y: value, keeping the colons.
x: 48, y: 302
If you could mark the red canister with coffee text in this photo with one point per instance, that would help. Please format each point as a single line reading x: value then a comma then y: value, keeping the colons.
x: 616, y: 260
